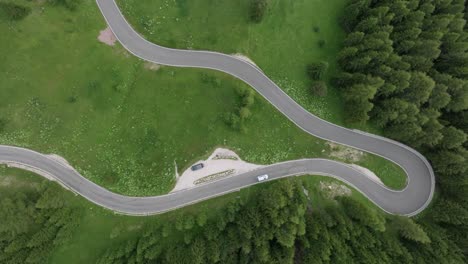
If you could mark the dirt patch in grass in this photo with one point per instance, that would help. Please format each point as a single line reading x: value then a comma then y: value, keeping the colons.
x: 344, y: 153
x: 244, y: 58
x: 371, y: 175
x: 107, y: 37
x: 152, y: 66
x: 333, y: 189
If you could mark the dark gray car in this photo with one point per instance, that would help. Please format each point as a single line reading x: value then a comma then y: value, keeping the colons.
x: 198, y: 166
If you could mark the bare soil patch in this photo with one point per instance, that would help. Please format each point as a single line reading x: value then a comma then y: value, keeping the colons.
x: 371, y: 175
x: 152, y: 66
x: 333, y: 189
x: 244, y: 58
x: 107, y: 37
x: 344, y: 153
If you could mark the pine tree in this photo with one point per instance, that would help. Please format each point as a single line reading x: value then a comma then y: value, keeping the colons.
x: 408, y: 229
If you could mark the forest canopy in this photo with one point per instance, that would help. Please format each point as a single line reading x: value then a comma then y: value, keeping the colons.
x: 405, y: 67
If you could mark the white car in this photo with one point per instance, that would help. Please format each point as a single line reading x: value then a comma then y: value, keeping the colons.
x: 262, y: 177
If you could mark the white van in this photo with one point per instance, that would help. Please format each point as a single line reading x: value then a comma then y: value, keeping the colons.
x: 262, y: 177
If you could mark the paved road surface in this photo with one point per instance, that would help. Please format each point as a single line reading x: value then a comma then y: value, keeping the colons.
x: 410, y: 201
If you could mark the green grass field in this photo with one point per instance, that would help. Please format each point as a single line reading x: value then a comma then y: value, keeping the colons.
x: 120, y: 124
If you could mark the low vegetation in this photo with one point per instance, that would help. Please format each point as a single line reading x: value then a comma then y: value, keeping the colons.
x: 237, y: 119
x: 12, y: 12
x: 319, y: 88
x: 68, y: 4
x: 316, y: 71
x: 257, y: 10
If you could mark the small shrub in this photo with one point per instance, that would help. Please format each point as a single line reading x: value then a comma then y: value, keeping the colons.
x: 236, y: 120
x: 92, y: 86
x: 179, y: 223
x: 166, y: 230
x: 321, y: 43
x: 201, y: 219
x: 319, y: 88
x: 183, y: 8
x: 242, y: 90
x: 189, y: 222
x: 121, y: 88
x: 317, y: 70
x: 316, y: 29
x: 248, y: 99
x: 72, y: 99
x: 244, y: 113
x: 13, y: 11
x: 257, y: 10
x: 232, y: 120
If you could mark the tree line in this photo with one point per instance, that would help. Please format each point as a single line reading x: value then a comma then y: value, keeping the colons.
x: 280, y: 225
x: 34, y: 222
x: 405, y: 67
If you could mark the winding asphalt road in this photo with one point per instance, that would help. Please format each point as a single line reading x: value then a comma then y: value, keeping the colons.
x: 409, y: 201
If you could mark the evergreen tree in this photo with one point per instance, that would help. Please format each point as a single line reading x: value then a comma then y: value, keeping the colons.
x: 257, y: 10
x: 315, y: 71
x: 408, y: 229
